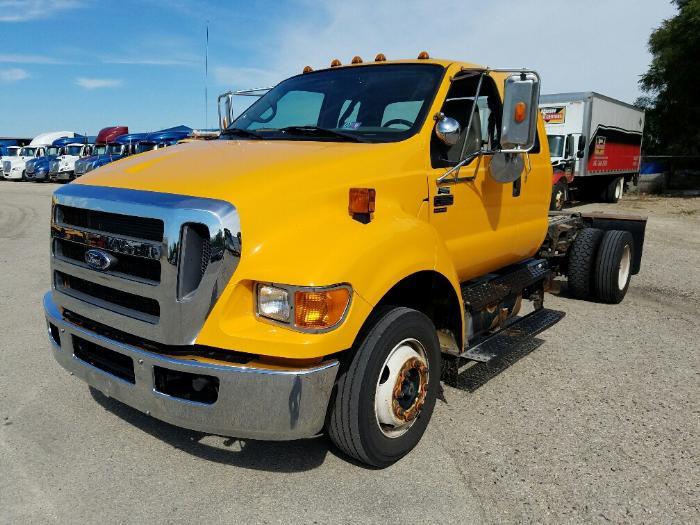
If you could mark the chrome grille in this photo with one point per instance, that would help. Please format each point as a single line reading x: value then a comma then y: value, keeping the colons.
x: 6, y: 166
x: 170, y: 256
x: 30, y: 168
x: 53, y: 166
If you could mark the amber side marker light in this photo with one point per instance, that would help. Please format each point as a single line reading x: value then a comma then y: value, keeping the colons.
x: 320, y: 309
x: 520, y: 112
x: 361, y: 204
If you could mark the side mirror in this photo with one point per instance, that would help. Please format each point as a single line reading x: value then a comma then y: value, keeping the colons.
x: 579, y: 154
x: 225, y: 106
x: 581, y: 145
x: 520, y: 111
x: 569, y: 146
x: 447, y: 129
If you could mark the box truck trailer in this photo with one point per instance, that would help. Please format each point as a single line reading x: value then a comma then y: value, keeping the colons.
x: 594, y: 143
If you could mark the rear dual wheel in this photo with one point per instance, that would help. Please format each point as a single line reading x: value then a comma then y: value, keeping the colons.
x: 386, y: 392
x: 600, y: 265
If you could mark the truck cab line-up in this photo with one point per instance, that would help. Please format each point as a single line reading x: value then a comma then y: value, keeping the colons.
x: 14, y: 168
x: 353, y: 236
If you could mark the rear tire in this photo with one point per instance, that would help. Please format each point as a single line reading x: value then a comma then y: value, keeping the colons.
x: 613, y: 266
x: 386, y: 392
x: 560, y: 195
x: 581, y: 261
x: 614, y: 190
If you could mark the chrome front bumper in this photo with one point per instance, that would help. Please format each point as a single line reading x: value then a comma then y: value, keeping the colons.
x: 61, y: 175
x: 256, y: 403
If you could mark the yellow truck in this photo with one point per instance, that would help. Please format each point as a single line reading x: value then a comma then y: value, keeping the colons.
x: 354, y: 234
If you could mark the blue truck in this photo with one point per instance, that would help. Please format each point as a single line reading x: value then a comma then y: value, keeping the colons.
x: 37, y: 169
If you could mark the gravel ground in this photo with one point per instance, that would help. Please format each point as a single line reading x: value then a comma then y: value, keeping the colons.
x: 599, y: 423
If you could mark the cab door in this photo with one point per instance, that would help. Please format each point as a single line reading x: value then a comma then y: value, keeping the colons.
x: 477, y: 217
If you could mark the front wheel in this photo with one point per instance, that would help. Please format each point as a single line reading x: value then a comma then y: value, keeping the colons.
x: 386, y: 392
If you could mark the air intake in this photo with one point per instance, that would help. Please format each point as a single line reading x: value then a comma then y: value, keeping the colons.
x: 195, y: 252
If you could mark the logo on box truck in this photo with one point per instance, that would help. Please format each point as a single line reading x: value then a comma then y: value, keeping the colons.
x: 555, y: 115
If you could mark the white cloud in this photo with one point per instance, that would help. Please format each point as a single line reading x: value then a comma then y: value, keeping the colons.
x: 29, y: 59
x: 25, y: 10
x: 13, y: 74
x: 576, y: 46
x: 150, y: 61
x: 97, y: 83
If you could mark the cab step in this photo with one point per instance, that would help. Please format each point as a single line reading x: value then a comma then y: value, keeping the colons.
x: 513, y: 336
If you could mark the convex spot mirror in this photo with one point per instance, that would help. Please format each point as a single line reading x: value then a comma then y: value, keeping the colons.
x: 520, y: 111
x: 447, y: 129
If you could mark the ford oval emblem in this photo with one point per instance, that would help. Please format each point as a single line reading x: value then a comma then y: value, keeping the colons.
x: 99, y: 260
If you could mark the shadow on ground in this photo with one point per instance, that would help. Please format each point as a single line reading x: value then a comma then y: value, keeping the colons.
x: 272, y: 456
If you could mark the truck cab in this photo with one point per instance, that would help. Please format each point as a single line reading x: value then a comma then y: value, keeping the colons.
x: 63, y: 166
x: 15, y: 168
x: 8, y: 153
x: 354, y: 234
x: 106, y: 135
x: 160, y: 139
x: 123, y: 146
x: 37, y: 169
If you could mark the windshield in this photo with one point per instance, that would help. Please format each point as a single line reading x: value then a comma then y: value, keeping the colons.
x: 115, y: 149
x: 28, y: 152
x: 53, y: 151
x: 12, y: 152
x: 73, y: 150
x: 142, y: 147
x: 99, y: 150
x: 556, y: 145
x: 384, y: 103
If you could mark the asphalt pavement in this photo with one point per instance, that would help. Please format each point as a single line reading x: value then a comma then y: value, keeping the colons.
x: 599, y: 422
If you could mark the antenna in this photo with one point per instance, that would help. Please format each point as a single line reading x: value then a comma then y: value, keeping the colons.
x: 206, y: 75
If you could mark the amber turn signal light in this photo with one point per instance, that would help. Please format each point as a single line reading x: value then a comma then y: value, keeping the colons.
x: 362, y: 200
x: 320, y: 309
x: 520, y: 112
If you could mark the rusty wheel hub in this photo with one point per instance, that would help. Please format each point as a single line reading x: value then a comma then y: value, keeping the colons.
x: 402, y: 388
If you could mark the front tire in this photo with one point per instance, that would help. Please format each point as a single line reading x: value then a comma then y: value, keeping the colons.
x: 386, y: 393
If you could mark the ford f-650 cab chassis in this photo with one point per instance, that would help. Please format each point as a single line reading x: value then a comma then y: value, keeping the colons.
x: 356, y: 234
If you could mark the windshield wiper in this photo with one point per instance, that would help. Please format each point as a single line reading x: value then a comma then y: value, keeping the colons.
x: 241, y: 132
x: 321, y: 132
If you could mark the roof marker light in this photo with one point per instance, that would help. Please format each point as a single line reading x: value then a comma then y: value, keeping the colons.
x: 336, y: 63
x: 380, y: 57
x: 356, y: 60
x: 423, y: 55
x: 307, y: 69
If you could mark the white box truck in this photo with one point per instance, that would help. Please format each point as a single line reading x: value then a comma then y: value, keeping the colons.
x: 594, y: 143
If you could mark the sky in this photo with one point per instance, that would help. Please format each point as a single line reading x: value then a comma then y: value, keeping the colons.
x: 81, y: 65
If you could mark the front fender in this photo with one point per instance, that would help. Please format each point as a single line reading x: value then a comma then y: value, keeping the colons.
x: 371, y: 257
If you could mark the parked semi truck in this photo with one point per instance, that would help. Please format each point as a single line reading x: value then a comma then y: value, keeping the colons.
x: 353, y: 235
x: 595, y: 144
x: 62, y: 168
x: 122, y: 146
x: 105, y: 136
x: 37, y: 169
x: 14, y: 168
x: 162, y: 139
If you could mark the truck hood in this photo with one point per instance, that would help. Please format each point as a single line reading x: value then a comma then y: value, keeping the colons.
x: 251, y: 170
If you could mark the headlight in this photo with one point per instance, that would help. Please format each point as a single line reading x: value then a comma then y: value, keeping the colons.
x: 273, y: 303
x: 309, y: 309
